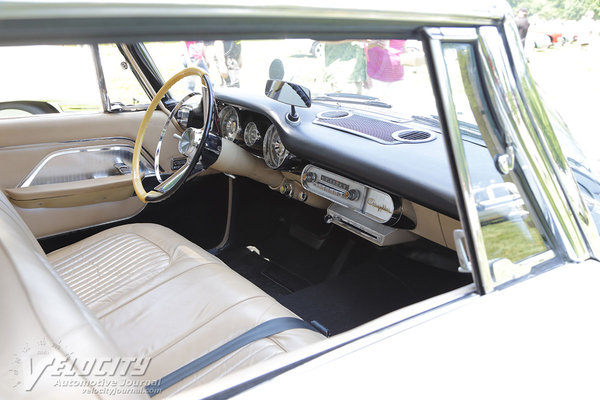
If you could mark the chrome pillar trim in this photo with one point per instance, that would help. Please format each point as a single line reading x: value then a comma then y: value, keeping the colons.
x: 100, y: 76
x: 149, y: 89
x: 466, y: 209
x: 545, y: 132
x: 514, y: 122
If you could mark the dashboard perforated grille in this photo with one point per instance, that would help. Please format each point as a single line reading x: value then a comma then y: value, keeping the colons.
x: 377, y: 129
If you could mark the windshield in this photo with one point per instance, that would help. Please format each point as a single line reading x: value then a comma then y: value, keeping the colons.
x: 387, y: 76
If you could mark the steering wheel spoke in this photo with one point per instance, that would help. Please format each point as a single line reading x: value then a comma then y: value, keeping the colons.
x: 191, y: 141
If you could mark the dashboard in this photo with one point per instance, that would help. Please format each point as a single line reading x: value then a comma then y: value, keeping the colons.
x: 373, y: 169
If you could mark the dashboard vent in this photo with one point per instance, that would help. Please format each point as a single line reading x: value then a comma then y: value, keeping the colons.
x: 413, y: 136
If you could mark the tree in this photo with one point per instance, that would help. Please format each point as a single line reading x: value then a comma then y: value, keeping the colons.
x: 553, y: 9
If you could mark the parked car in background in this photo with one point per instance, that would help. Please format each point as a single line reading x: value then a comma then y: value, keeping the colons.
x: 499, y: 201
x: 381, y: 220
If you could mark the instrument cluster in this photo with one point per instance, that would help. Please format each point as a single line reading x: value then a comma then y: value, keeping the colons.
x: 257, y: 134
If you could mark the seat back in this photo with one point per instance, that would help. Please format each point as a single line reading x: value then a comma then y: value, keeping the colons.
x: 45, y: 325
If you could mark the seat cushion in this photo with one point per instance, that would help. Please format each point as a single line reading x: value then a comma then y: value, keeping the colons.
x: 160, y: 296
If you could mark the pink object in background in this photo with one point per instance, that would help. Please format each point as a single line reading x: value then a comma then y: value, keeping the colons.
x: 385, y: 64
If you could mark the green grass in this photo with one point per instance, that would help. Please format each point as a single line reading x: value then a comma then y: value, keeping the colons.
x: 513, y: 239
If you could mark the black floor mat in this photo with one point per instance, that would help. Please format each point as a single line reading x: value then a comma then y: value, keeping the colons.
x: 325, y: 273
x: 368, y: 287
x: 349, y: 300
x: 251, y: 265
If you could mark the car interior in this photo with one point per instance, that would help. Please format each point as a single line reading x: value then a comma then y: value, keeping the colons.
x: 289, y: 202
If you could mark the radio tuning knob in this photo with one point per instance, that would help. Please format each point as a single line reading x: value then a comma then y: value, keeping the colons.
x: 310, y: 177
x: 353, y: 194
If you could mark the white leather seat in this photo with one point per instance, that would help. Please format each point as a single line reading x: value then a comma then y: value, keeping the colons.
x: 137, y: 290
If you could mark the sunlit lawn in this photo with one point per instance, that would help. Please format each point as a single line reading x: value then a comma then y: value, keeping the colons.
x: 512, y: 239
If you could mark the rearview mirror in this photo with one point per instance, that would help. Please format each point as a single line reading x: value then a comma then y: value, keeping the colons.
x: 288, y: 93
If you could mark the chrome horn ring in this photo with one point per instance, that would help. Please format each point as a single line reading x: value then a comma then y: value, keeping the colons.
x: 175, y: 136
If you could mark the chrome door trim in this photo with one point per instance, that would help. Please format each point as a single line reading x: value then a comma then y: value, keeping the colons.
x: 43, y: 164
x: 454, y: 148
x: 64, y: 142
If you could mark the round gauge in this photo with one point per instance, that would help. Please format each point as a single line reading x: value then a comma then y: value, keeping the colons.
x: 230, y: 123
x: 251, y: 134
x: 274, y: 151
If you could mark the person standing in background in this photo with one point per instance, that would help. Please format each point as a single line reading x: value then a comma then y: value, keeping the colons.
x: 194, y: 57
x: 233, y: 60
x: 522, y: 24
x: 215, y: 59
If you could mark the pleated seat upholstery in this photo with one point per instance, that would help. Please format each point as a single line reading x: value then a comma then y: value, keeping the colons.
x: 138, y: 290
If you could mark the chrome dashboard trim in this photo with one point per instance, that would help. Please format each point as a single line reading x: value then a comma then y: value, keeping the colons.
x: 321, y: 115
x: 396, y: 136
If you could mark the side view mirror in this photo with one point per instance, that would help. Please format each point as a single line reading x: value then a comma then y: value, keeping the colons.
x: 289, y: 93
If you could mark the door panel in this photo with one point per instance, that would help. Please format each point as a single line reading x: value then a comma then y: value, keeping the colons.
x: 57, y: 168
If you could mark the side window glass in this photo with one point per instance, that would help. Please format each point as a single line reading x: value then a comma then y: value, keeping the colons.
x: 510, y: 229
x: 60, y: 79
x: 121, y: 84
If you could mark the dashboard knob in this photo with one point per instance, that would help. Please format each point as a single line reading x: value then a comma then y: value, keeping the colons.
x: 286, y: 189
x: 353, y: 194
x: 310, y: 177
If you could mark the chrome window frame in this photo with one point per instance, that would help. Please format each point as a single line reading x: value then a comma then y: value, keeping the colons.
x: 543, y: 129
x: 553, y: 210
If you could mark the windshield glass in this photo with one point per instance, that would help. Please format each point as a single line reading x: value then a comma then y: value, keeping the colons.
x: 387, y: 76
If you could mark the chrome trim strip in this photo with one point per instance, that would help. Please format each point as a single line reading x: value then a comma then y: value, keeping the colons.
x: 40, y: 166
x: 145, y: 153
x: 467, y: 210
x: 100, y: 76
x: 51, y: 144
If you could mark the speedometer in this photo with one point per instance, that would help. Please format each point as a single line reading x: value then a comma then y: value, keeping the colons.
x: 230, y: 123
x: 274, y: 151
x: 251, y: 134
